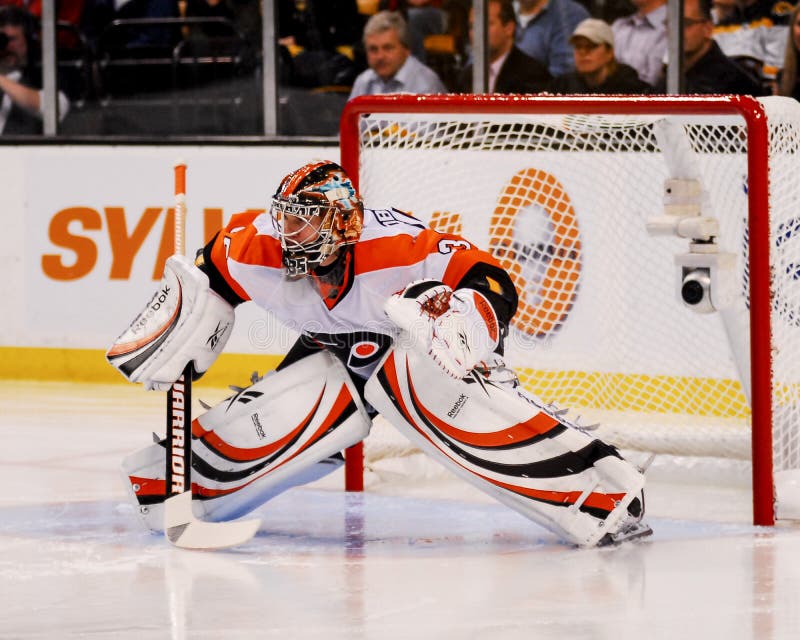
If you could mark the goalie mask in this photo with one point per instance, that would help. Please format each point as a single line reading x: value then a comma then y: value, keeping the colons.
x: 315, y: 211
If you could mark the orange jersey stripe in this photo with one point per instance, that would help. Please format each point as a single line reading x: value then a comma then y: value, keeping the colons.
x: 403, y: 249
x: 241, y: 241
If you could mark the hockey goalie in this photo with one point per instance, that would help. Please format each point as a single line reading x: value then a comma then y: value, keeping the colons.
x: 394, y: 318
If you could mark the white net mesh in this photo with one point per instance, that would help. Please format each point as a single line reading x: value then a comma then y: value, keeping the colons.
x: 562, y: 202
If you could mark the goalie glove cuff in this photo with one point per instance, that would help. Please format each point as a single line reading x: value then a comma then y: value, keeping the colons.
x: 466, y: 334
x: 458, y: 329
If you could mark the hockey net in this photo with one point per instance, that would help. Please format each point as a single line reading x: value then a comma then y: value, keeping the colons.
x: 560, y: 191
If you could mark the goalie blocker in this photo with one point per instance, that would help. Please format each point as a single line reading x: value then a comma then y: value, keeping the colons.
x: 184, y: 321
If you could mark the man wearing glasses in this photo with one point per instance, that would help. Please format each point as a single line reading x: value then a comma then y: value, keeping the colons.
x: 707, y: 69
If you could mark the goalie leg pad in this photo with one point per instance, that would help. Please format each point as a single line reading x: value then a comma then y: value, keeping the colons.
x: 144, y: 479
x: 183, y: 322
x: 283, y: 431
x: 556, y: 475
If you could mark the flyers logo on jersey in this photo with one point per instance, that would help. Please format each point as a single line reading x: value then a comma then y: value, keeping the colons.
x: 363, y: 353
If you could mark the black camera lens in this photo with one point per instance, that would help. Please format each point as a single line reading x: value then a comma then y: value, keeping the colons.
x: 692, y: 292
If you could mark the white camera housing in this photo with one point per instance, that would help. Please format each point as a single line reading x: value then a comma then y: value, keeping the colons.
x: 684, y: 201
x: 706, y: 278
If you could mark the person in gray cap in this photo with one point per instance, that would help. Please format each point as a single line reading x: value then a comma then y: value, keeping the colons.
x: 596, y: 68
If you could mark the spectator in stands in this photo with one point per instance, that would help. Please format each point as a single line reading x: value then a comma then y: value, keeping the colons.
x: 753, y: 33
x: 544, y: 28
x: 596, y: 68
x: 723, y: 11
x: 609, y: 10
x: 707, y: 69
x: 67, y: 11
x: 510, y: 70
x: 220, y: 9
x: 790, y: 79
x: 99, y: 14
x: 317, y: 39
x: 641, y: 39
x: 247, y: 18
x: 423, y: 17
x: 392, y: 68
x: 318, y: 24
x: 20, y: 81
x: 153, y: 35
x: 208, y: 9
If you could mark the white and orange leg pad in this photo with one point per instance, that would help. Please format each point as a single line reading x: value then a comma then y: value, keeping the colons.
x: 280, y: 432
x: 556, y: 475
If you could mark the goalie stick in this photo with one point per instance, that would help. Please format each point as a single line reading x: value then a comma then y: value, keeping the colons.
x: 181, y: 528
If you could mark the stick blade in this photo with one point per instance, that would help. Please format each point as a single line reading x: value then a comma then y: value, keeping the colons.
x: 185, y: 531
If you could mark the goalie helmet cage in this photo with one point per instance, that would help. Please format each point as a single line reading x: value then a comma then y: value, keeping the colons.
x: 559, y: 189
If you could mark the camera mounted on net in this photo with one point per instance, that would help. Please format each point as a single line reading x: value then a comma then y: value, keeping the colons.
x: 706, y: 276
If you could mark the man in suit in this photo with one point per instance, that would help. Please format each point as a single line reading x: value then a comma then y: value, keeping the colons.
x: 708, y: 70
x: 510, y: 70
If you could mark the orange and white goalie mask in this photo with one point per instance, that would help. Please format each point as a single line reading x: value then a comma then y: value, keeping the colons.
x: 315, y: 211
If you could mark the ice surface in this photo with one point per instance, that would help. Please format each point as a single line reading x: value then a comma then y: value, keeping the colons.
x: 427, y: 559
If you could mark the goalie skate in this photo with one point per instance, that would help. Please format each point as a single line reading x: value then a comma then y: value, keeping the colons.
x: 631, y: 532
x: 633, y: 529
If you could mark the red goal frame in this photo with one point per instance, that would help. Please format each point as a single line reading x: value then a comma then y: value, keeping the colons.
x: 758, y: 224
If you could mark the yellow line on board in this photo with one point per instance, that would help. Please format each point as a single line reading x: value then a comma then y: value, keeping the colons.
x: 678, y: 395
x: 90, y: 365
x: 681, y: 395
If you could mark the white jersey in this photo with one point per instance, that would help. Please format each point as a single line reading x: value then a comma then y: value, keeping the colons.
x: 394, y: 250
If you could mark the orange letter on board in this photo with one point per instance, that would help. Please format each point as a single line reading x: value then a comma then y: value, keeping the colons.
x: 124, y: 247
x: 85, y: 249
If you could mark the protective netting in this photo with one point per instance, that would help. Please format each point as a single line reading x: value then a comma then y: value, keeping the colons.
x: 562, y: 202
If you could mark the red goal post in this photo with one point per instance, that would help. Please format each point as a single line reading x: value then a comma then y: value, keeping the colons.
x: 585, y: 128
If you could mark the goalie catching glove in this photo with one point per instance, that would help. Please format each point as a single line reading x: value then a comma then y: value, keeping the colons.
x: 184, y: 321
x: 458, y: 329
